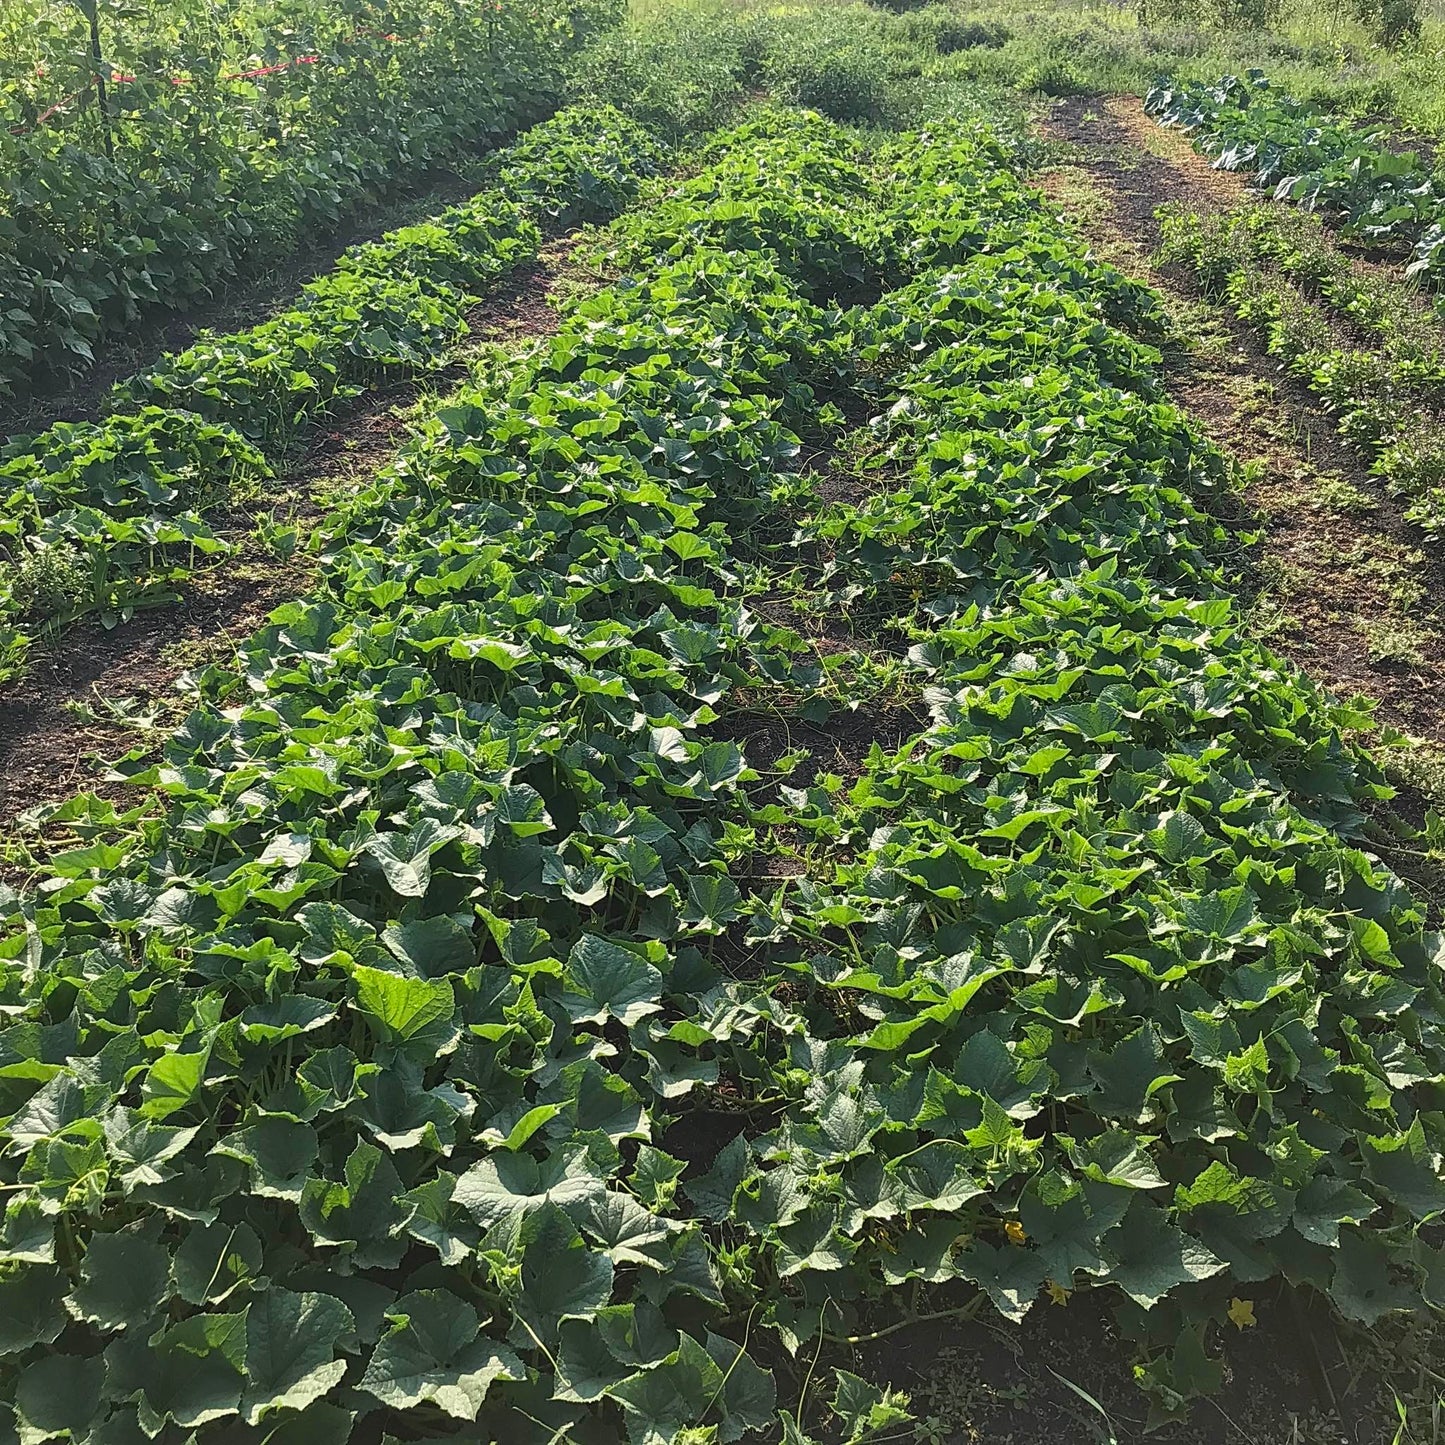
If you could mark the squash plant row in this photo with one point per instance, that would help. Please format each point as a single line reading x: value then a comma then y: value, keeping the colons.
x: 1319, y: 162
x: 109, y: 515
x: 482, y: 1044
x: 1374, y: 359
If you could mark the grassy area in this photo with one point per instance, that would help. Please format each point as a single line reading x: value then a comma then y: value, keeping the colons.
x: 1323, y: 53
x: 1320, y: 53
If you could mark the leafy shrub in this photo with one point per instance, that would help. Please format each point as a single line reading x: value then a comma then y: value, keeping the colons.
x: 127, y: 494
x: 399, y: 303
x: 679, y: 73
x: 1391, y: 22
x: 1245, y: 14
x: 1352, y: 95
x: 1054, y: 77
x: 829, y: 62
x: 963, y: 34
x: 842, y: 84
x: 198, y: 186
x: 947, y: 30
x: 584, y: 165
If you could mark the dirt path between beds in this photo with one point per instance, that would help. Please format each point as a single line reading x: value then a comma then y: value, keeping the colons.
x: 1340, y: 584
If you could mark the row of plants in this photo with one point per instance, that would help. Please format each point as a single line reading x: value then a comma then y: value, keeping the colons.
x: 1350, y: 172
x: 210, y: 182
x: 107, y: 516
x: 1376, y: 307
x: 95, y: 242
x: 482, y: 1040
x: 164, y: 180
x: 1375, y: 359
x: 399, y: 304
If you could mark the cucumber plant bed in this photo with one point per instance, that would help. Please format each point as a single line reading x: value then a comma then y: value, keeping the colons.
x: 1343, y: 585
x: 47, y: 750
x: 442, y: 1064
x: 108, y: 517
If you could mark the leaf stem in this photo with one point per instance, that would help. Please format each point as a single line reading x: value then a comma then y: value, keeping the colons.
x: 963, y: 1312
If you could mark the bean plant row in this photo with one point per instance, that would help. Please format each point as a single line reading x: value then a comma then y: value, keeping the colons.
x: 1360, y: 342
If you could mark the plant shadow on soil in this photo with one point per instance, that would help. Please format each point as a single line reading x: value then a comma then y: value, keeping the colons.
x: 1017, y: 1384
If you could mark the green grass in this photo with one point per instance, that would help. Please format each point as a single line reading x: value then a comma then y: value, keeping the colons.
x: 907, y: 60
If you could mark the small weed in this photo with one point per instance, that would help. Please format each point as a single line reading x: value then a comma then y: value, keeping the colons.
x: 1255, y: 395
x: 1396, y: 643
x: 1396, y: 569
x: 280, y: 540
x: 49, y: 581
x: 953, y: 1398
x: 1277, y: 578
x: 14, y: 649
x: 1268, y: 622
x: 1075, y: 187
x: 1414, y: 763
x: 1254, y: 471
x: 1336, y: 494
x: 188, y: 653
x: 127, y: 713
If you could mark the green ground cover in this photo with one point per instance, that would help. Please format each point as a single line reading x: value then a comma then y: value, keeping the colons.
x: 497, y: 1029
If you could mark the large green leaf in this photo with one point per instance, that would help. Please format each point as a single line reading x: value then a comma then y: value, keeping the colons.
x: 433, y: 1351
x: 505, y: 1185
x: 291, y: 1347
x: 401, y: 1007
x: 1407, y: 1170
x: 124, y: 1280
x: 57, y: 1394
x: 1150, y: 1256
x: 611, y: 982
x: 560, y: 1276
x: 214, y: 1259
